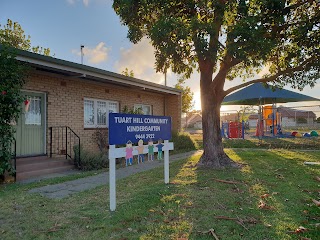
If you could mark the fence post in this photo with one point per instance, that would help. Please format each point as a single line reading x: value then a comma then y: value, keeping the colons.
x: 242, y: 130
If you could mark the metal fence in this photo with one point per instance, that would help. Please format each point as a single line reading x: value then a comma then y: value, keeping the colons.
x: 300, y: 117
x: 289, y: 118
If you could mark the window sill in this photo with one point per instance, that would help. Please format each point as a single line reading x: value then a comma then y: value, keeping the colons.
x: 102, y: 128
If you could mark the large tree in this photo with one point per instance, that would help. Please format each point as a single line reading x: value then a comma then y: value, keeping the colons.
x: 225, y: 39
x: 13, y: 35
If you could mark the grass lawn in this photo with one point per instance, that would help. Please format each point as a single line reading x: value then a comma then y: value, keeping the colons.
x: 269, y: 198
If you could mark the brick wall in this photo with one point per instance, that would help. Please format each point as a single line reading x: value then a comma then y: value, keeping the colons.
x: 65, y: 102
x: 173, y: 109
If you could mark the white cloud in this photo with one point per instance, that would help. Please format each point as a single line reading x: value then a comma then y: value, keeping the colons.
x: 140, y: 59
x: 71, y: 2
x: 86, y: 3
x: 94, y: 55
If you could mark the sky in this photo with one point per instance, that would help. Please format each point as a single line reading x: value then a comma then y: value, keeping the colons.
x: 65, y: 25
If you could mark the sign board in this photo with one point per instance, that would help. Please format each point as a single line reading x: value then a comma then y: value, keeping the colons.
x: 125, y: 127
x: 133, y: 127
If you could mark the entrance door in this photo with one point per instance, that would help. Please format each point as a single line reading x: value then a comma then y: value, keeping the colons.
x: 30, y: 132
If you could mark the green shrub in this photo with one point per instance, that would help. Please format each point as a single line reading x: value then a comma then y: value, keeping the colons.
x: 301, y: 120
x: 88, y: 160
x: 12, y: 78
x: 183, y: 142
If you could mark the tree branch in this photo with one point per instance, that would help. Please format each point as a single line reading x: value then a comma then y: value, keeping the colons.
x: 287, y: 9
x: 214, y: 42
x: 271, y: 78
x: 221, y: 45
x: 227, y: 63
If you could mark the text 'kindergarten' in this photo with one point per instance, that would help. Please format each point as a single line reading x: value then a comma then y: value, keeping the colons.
x: 138, y: 120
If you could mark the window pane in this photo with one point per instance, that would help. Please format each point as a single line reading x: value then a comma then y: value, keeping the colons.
x: 101, y: 113
x: 146, y: 110
x: 138, y: 107
x: 88, y: 112
x: 113, y: 107
x: 33, y: 111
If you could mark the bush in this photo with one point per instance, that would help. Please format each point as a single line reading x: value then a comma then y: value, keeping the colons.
x: 88, y: 160
x: 301, y: 120
x: 183, y: 142
x: 100, y: 137
x: 12, y: 78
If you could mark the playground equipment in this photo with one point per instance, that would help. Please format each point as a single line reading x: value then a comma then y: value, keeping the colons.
x: 232, y: 129
x: 261, y: 94
x: 269, y: 121
x: 272, y: 119
x: 311, y: 134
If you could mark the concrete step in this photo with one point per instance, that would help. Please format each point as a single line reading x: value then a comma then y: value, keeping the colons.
x: 26, y: 160
x: 38, y: 166
x: 42, y: 172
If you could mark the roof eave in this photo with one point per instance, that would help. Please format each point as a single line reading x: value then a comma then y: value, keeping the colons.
x: 84, y: 70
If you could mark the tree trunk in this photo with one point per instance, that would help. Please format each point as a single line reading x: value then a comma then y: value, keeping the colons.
x: 211, y: 99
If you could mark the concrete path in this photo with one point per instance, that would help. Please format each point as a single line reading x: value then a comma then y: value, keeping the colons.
x: 62, y: 190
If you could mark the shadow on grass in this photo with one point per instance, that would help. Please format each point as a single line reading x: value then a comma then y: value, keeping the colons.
x: 195, y: 201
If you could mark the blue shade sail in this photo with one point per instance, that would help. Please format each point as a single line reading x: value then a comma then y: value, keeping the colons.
x: 252, y: 94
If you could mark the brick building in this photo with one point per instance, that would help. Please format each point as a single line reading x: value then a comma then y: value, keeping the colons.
x: 65, y: 100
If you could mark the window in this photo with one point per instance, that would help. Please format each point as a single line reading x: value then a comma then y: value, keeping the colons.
x: 33, y: 111
x: 146, y: 109
x: 96, y: 112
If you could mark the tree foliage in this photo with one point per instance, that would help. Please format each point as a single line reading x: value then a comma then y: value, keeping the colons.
x: 128, y: 73
x: 245, y: 112
x: 248, y: 34
x: 187, y: 95
x: 13, y: 35
x: 228, y: 39
x: 12, y: 78
x: 132, y: 110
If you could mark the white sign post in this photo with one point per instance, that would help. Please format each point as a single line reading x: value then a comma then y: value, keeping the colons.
x: 119, y: 153
x: 130, y: 129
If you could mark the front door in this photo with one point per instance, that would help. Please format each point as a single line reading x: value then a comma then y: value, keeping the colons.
x: 30, y: 131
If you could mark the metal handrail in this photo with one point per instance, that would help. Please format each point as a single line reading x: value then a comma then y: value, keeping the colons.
x: 63, y: 136
x: 15, y: 159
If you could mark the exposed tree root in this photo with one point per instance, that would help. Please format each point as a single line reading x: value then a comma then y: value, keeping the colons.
x: 217, y: 162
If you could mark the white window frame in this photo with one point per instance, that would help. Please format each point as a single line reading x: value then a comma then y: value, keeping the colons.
x: 95, y: 112
x: 136, y: 106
